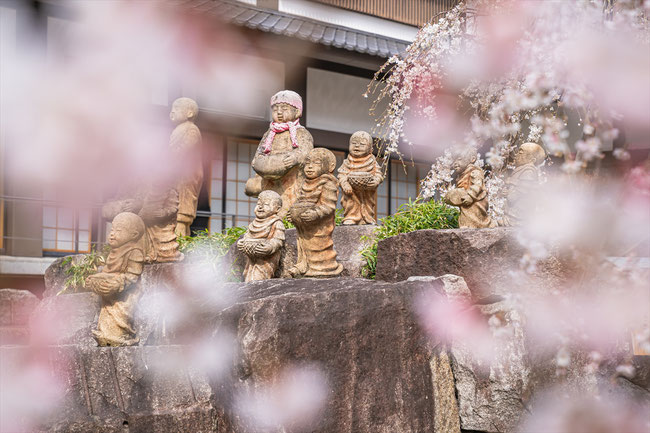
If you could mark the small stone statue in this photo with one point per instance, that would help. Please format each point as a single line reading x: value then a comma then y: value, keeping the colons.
x: 313, y: 215
x: 281, y: 154
x: 185, y: 143
x: 263, y: 241
x: 116, y: 283
x: 469, y: 194
x: 159, y: 208
x: 522, y: 182
x: 359, y: 177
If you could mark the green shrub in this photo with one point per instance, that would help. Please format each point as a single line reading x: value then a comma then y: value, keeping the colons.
x: 78, y: 272
x: 411, y: 216
x: 210, y: 244
x: 205, y: 249
x: 338, y: 220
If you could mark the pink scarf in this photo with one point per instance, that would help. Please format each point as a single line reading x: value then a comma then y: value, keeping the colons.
x: 275, y: 127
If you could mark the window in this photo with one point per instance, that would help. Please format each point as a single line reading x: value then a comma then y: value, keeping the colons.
x: 238, y: 206
x: 66, y: 229
x: 382, y: 199
x: 405, y: 185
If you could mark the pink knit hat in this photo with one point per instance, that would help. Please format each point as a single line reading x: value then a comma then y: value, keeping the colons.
x: 288, y: 97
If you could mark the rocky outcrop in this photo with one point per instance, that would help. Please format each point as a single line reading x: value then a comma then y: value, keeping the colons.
x: 121, y: 389
x: 55, y: 275
x: 383, y: 373
x: 492, y: 390
x: 485, y: 258
x: 15, y: 309
x: 347, y: 243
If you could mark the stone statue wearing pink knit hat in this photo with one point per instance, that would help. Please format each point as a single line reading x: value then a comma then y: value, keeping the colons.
x: 282, y: 152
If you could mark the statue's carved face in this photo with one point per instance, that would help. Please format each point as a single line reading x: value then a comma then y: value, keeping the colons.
x: 121, y: 233
x: 360, y: 146
x: 462, y: 161
x: 314, y: 166
x: 282, y: 113
x: 522, y: 157
x: 180, y: 112
x: 266, y: 207
x: 529, y: 153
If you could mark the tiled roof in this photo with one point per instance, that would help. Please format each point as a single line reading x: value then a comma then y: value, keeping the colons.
x: 300, y: 27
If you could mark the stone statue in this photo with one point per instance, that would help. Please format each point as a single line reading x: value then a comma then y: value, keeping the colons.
x: 313, y: 215
x: 159, y: 208
x: 281, y: 154
x: 359, y: 177
x: 116, y: 283
x: 127, y: 198
x: 263, y: 241
x: 185, y: 143
x: 469, y: 194
x: 522, y: 182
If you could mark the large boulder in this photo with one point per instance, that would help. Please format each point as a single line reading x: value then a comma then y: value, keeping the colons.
x: 485, y: 258
x: 492, y: 389
x: 119, y: 389
x: 15, y: 308
x: 55, y: 275
x: 383, y: 372
x: 348, y: 244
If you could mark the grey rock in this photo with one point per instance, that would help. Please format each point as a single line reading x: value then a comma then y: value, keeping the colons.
x: 347, y: 243
x: 55, y: 276
x: 15, y: 309
x: 122, y: 389
x: 67, y: 319
x: 492, y: 395
x: 485, y: 258
x: 383, y: 372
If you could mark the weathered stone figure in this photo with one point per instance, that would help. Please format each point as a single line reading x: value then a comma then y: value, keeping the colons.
x: 469, y: 194
x: 116, y: 283
x: 522, y: 182
x: 359, y: 177
x: 313, y: 215
x: 185, y: 143
x: 263, y: 241
x: 281, y: 154
x: 159, y: 208
x: 127, y: 198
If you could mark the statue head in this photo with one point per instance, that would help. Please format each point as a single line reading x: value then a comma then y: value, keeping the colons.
x: 286, y: 106
x: 268, y: 203
x: 360, y: 144
x: 529, y: 153
x: 463, y: 158
x: 183, y: 109
x: 319, y: 161
x: 126, y: 227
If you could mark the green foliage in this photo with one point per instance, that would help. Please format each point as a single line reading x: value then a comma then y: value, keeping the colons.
x: 338, y: 220
x: 210, y: 244
x: 411, y: 216
x: 78, y: 272
x: 205, y: 249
